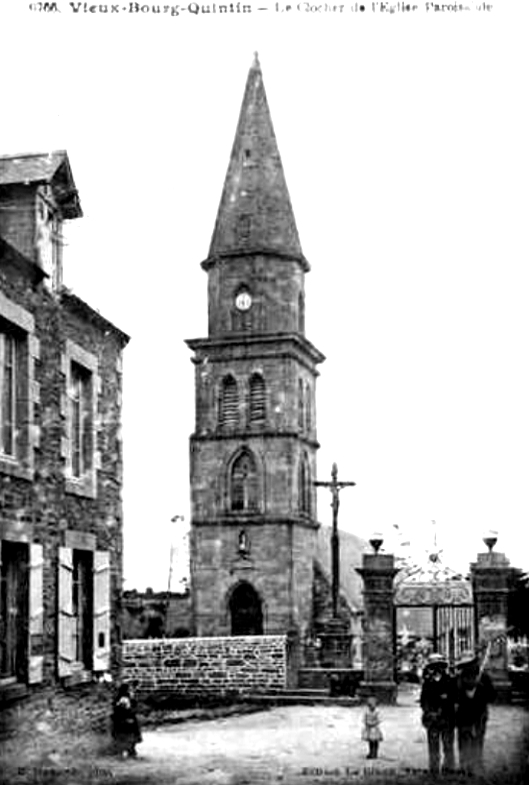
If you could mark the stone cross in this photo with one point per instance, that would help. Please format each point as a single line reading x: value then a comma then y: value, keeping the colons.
x: 335, y: 486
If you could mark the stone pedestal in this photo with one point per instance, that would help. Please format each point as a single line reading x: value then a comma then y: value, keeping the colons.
x: 491, y: 576
x: 378, y: 572
x: 293, y: 658
x: 335, y: 649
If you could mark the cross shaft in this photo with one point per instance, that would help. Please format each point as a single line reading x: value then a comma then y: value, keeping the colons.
x: 335, y: 486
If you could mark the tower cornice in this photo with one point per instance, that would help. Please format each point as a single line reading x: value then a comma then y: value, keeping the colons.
x: 255, y: 345
x: 236, y: 253
x: 245, y: 435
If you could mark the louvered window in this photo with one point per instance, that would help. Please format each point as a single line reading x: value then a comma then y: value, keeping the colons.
x: 229, y: 403
x: 257, y: 400
x: 243, y: 483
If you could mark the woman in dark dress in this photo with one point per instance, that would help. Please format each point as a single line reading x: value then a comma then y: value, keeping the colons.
x: 125, y: 726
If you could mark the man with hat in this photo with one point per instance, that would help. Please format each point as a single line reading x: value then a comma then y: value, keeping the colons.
x: 437, y: 703
x: 474, y: 691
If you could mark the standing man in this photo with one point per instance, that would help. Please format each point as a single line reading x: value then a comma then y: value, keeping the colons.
x: 474, y: 692
x: 437, y: 703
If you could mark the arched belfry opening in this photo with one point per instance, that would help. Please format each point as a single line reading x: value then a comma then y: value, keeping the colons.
x: 246, y: 610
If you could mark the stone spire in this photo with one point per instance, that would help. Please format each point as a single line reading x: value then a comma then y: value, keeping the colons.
x: 255, y: 214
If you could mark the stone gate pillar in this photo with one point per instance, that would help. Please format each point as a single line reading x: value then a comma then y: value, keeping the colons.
x: 491, y: 575
x: 378, y: 572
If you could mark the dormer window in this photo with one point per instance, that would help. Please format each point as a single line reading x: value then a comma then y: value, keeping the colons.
x: 49, y: 240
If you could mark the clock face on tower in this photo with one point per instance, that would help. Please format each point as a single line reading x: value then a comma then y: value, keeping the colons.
x: 243, y: 300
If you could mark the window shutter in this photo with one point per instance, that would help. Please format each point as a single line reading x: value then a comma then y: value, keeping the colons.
x: 66, y: 618
x: 229, y: 402
x: 257, y: 400
x: 36, y: 614
x: 101, y: 611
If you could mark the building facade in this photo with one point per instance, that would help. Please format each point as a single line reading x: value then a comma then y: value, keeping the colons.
x: 156, y: 614
x: 253, y: 450
x: 60, y: 455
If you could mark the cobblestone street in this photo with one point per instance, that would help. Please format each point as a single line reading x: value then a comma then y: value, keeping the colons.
x: 298, y: 744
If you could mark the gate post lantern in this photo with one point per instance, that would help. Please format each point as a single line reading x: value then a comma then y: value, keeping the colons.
x: 491, y: 578
x: 378, y: 572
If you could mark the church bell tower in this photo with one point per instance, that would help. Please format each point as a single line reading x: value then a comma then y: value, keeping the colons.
x: 253, y: 451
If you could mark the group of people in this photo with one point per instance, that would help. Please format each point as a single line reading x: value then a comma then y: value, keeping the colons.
x: 455, y: 703
x: 450, y: 704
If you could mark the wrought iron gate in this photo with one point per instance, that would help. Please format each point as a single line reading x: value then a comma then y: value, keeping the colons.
x: 435, y: 616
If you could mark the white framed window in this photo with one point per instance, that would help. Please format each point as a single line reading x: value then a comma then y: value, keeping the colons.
x: 18, y: 390
x: 49, y: 238
x: 81, y: 414
x: 10, y: 352
x: 79, y: 408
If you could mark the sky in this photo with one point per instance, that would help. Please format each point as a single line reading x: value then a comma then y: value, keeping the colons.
x: 403, y: 138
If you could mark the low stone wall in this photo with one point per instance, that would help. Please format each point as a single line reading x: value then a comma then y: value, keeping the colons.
x: 220, y: 667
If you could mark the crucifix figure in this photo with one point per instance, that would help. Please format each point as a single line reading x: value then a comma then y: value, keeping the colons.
x: 335, y: 486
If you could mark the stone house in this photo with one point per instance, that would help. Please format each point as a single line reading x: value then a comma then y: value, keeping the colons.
x: 60, y: 462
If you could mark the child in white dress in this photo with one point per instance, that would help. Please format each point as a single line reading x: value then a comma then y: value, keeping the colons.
x: 371, y: 727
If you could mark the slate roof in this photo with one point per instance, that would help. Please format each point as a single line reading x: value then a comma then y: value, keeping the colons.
x: 52, y: 168
x: 10, y: 257
x: 255, y: 213
x: 68, y: 298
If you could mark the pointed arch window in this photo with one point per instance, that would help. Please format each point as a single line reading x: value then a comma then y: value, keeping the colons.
x: 244, y: 483
x: 301, y: 407
x: 305, y: 486
x: 308, y: 408
x: 229, y: 402
x: 257, y: 400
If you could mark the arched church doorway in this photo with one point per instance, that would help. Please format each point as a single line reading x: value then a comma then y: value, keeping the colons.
x: 246, y: 611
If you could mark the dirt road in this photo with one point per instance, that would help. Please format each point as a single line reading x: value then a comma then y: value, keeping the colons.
x: 299, y: 744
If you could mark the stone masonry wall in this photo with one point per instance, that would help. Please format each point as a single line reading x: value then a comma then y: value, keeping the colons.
x: 51, y: 712
x: 40, y: 508
x: 206, y: 667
